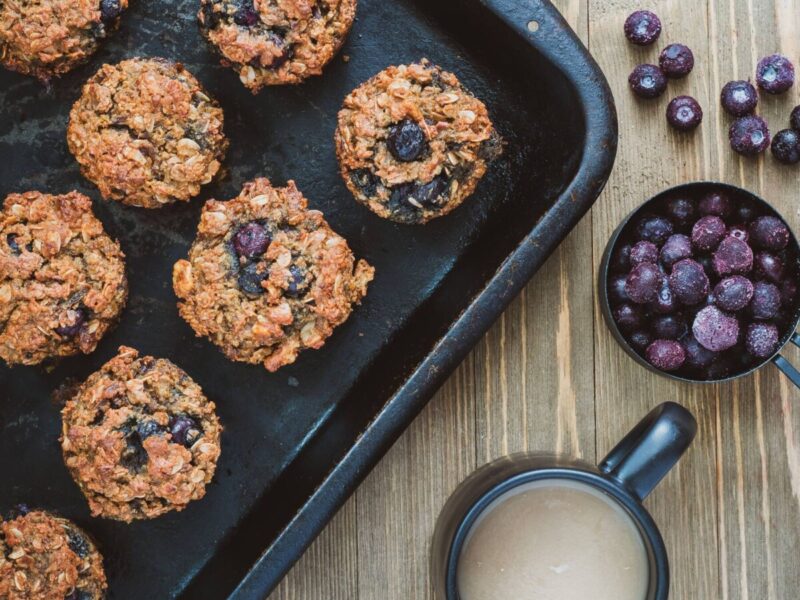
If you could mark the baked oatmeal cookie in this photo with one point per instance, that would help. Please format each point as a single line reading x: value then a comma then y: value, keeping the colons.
x: 146, y: 133
x: 140, y: 438
x: 274, y: 42
x: 412, y: 143
x: 46, y: 557
x: 266, y: 277
x: 47, y: 38
x: 62, y: 278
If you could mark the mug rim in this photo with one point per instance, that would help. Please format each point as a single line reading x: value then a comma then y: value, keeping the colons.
x: 603, y: 275
x: 651, y: 536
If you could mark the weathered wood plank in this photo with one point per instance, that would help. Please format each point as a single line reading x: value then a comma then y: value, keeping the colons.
x: 651, y: 158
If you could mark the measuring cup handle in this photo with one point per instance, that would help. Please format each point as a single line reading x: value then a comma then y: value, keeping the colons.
x: 651, y: 449
x: 785, y: 366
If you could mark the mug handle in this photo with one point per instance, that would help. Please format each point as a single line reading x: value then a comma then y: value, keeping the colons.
x: 785, y: 366
x: 644, y: 456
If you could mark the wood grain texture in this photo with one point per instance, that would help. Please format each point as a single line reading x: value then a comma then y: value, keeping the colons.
x: 549, y: 376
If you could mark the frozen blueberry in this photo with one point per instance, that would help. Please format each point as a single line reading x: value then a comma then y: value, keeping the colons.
x: 665, y: 301
x: 640, y: 340
x: 775, y: 74
x: 769, y: 233
x: 788, y: 292
x: 246, y: 15
x: 794, y: 120
x: 749, y: 135
x: 642, y: 252
x: 251, y: 240
x: 250, y: 278
x: 732, y: 256
x: 642, y: 27
x: 739, y: 232
x: 621, y: 258
x: 680, y: 210
x: 667, y: 355
x: 669, y: 327
x: 684, y: 113
x: 768, y: 266
x: 786, y: 146
x: 647, y: 81
x: 706, y: 262
x: 654, y: 229
x: 616, y: 290
x: 677, y: 247
x: 79, y: 318
x: 708, y: 232
x: 110, y: 10
x: 739, y: 98
x: 628, y: 317
x: 643, y: 283
x: 762, y: 339
x: 676, y: 60
x: 689, y: 282
x: 715, y: 203
x: 745, y: 212
x: 406, y: 141
x: 766, y: 300
x: 184, y: 430
x: 721, y: 368
x: 698, y: 357
x: 715, y: 330
x: 733, y: 293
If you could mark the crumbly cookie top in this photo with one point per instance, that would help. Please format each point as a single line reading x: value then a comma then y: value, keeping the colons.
x: 44, y: 557
x: 272, y: 42
x: 62, y: 279
x: 146, y: 133
x: 49, y: 37
x: 409, y: 138
x: 140, y: 438
x: 266, y: 277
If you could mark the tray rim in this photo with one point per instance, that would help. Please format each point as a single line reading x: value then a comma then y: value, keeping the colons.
x: 555, y: 40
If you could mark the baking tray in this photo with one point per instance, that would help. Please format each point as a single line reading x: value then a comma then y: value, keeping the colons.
x: 297, y: 442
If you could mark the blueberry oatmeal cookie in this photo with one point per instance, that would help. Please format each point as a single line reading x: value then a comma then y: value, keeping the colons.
x: 412, y: 143
x: 62, y: 278
x: 266, y: 277
x: 47, y: 38
x: 274, y: 42
x: 140, y: 438
x: 46, y: 557
x: 146, y: 133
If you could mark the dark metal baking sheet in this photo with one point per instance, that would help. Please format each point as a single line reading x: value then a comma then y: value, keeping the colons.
x: 297, y: 442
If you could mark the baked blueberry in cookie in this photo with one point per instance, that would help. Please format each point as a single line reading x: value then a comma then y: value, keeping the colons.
x: 140, y: 438
x: 46, y: 557
x: 146, y: 133
x: 413, y: 144
x: 47, y: 38
x: 273, y: 42
x: 62, y: 278
x: 266, y: 277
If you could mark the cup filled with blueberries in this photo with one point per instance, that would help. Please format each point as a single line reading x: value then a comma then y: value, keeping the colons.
x: 700, y: 283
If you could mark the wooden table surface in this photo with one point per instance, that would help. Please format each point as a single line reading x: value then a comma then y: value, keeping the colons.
x: 549, y: 376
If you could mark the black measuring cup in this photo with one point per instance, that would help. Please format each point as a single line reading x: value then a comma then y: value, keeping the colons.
x: 695, y: 191
x: 627, y: 476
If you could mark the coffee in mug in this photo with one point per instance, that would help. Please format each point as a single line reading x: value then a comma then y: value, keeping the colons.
x: 553, y: 539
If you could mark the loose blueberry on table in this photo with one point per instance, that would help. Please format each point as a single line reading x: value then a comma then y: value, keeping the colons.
x: 786, y: 146
x: 704, y: 287
x: 749, y: 135
x: 676, y: 61
x: 642, y: 27
x: 739, y: 98
x: 684, y: 113
x: 775, y: 74
x: 794, y: 120
x: 647, y: 81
